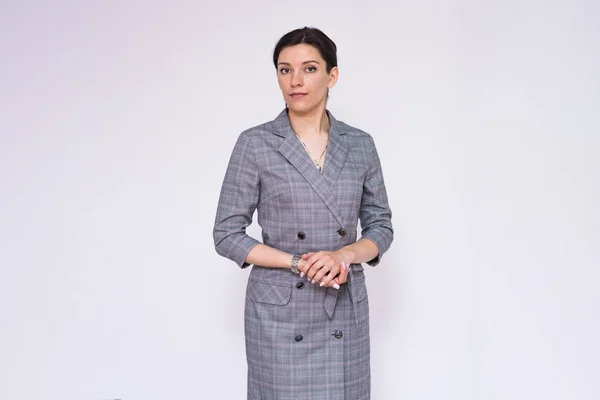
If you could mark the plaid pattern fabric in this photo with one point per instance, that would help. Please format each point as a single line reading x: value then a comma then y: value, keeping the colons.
x: 304, y: 341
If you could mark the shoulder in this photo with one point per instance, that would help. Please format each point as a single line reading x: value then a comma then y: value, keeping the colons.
x: 355, y: 136
x: 258, y: 130
x: 259, y: 135
x: 254, y: 136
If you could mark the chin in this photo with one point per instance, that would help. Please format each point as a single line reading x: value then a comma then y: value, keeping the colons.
x: 302, y: 108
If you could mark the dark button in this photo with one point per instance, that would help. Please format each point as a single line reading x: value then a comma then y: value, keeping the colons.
x: 337, y: 334
x: 342, y: 232
x: 299, y: 338
x: 299, y: 285
x: 301, y: 235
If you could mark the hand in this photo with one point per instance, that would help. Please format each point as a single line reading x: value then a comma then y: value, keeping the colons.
x: 328, y: 268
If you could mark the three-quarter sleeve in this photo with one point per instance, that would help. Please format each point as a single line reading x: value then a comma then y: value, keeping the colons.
x: 237, y: 202
x: 375, y: 214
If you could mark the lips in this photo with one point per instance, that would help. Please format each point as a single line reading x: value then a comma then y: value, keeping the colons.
x: 297, y: 95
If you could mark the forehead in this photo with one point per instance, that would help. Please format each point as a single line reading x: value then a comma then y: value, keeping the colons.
x: 299, y: 53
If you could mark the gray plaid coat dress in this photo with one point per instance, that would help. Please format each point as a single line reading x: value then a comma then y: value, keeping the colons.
x: 304, y: 342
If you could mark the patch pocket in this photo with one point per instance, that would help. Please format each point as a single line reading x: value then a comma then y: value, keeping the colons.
x: 358, y: 287
x: 269, y: 293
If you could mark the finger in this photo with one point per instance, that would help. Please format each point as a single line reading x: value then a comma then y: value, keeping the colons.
x: 302, y: 264
x: 314, y: 263
x: 302, y: 267
x: 327, y: 279
x: 314, y: 256
x: 327, y: 263
x: 334, y: 284
x: 327, y: 267
x: 343, y: 276
x: 307, y: 265
x: 314, y: 268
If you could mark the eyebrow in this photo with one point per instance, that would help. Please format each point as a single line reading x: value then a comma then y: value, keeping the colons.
x: 305, y: 62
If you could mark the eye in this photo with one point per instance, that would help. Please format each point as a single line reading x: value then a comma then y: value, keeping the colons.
x: 311, y: 68
x: 284, y: 70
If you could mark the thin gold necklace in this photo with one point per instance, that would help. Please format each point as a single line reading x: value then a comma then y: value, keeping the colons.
x: 316, y: 161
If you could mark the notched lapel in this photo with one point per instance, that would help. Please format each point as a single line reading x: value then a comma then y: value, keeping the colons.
x: 337, y: 149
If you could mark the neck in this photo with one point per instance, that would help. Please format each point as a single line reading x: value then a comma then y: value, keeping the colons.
x: 311, y: 123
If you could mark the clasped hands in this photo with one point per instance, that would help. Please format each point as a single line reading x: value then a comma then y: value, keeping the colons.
x: 326, y: 268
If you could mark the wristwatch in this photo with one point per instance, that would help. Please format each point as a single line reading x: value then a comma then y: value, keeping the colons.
x: 294, y: 266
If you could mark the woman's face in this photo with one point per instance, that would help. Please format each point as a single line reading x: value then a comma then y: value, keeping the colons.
x: 303, y: 79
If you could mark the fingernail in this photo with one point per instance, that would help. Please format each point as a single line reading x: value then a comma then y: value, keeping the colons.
x: 313, y: 281
x: 322, y: 284
x: 301, y: 274
x: 335, y: 285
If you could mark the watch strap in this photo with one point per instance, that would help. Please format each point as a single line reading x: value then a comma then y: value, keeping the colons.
x: 294, y: 265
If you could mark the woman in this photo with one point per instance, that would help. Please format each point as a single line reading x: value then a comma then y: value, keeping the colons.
x: 311, y: 178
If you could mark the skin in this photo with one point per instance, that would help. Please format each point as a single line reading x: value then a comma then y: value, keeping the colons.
x: 301, y: 69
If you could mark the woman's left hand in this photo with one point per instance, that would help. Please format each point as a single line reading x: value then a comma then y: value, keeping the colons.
x: 326, y: 267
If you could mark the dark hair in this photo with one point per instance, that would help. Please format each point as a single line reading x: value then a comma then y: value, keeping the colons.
x: 313, y: 37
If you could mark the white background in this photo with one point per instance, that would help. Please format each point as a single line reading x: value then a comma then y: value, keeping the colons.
x: 117, y: 119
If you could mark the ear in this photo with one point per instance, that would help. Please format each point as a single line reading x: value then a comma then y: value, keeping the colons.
x: 333, y: 77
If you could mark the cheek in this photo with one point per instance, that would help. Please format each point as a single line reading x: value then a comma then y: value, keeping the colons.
x: 283, y: 81
x: 320, y: 84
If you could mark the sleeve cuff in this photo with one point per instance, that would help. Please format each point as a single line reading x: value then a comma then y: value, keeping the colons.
x: 239, y: 248
x: 382, y: 240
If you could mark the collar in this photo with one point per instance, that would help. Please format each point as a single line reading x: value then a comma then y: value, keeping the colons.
x: 282, y: 126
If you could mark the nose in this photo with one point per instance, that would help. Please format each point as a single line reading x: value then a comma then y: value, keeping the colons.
x: 297, y: 79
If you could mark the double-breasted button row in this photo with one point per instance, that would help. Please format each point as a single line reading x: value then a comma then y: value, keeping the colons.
x: 337, y: 334
x: 342, y: 232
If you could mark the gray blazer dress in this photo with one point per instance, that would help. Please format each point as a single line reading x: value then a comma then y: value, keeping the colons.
x: 304, y: 342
